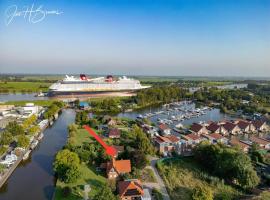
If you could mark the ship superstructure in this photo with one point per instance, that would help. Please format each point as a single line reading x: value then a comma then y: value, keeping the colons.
x: 85, y: 85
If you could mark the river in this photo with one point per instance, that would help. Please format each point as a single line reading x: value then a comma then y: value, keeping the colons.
x: 34, y: 179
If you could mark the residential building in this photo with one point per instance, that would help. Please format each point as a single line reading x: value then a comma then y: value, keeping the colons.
x: 164, y: 129
x: 198, y: 129
x: 263, y: 143
x: 166, y: 144
x: 114, y: 133
x: 245, y: 126
x: 192, y: 139
x: 232, y: 128
x: 130, y: 189
x: 260, y: 125
x: 217, y: 128
x: 235, y: 142
x: 115, y: 168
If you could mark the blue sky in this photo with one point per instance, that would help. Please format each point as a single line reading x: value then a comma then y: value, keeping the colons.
x: 139, y: 37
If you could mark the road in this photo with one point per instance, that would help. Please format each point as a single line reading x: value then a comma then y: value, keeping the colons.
x: 160, y: 184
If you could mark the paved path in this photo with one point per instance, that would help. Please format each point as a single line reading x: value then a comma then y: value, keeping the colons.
x: 160, y: 184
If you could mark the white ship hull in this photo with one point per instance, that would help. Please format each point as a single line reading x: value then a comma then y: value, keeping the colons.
x: 72, y: 86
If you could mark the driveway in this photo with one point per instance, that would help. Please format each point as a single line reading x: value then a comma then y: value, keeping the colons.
x: 160, y: 184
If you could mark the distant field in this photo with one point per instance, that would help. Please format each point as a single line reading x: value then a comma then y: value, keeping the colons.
x: 23, y: 87
x: 36, y: 102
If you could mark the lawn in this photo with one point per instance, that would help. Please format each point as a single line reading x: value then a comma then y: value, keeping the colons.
x: 81, y: 137
x: 89, y: 176
x: 182, y: 175
x: 24, y: 87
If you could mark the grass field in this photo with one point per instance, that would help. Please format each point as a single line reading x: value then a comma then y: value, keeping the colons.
x: 24, y: 87
x: 36, y: 102
x: 89, y: 174
x: 182, y: 175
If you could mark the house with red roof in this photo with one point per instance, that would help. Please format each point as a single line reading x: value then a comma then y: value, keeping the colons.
x: 130, y: 189
x: 114, y: 133
x: 193, y: 139
x: 198, y: 129
x: 166, y: 144
x: 245, y: 126
x: 242, y: 145
x: 232, y: 128
x: 216, y: 128
x: 164, y: 129
x: 115, y: 168
x: 263, y: 143
x: 260, y: 125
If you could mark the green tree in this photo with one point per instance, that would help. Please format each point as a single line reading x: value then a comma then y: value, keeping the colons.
x: 3, y: 149
x: 33, y: 130
x: 142, y: 141
x: 104, y: 193
x: 14, y: 128
x: 23, y: 141
x: 202, y: 193
x: 6, y: 138
x: 66, y: 165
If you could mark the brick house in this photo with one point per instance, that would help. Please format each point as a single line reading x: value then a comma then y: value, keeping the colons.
x: 115, y: 168
x: 130, y: 190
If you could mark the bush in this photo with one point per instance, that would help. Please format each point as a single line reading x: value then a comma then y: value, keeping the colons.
x: 66, y: 191
x: 202, y: 193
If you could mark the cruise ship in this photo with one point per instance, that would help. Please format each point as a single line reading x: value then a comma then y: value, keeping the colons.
x: 101, y: 86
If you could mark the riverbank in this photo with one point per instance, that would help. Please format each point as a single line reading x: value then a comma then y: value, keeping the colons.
x: 36, y: 174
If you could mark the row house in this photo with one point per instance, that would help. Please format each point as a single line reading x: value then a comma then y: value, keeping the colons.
x: 130, y: 189
x: 198, y: 129
x: 217, y: 128
x: 232, y: 128
x: 193, y: 139
x: 263, y: 143
x: 246, y: 126
x: 260, y: 125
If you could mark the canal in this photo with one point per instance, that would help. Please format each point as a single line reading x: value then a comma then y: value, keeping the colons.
x: 34, y: 179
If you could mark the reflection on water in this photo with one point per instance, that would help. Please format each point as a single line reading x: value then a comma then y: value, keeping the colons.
x: 34, y: 178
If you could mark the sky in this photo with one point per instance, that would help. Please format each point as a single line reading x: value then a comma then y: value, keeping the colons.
x: 136, y: 37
